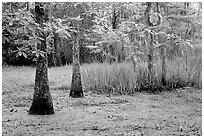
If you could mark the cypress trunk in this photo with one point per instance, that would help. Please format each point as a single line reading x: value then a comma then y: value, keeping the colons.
x: 76, y: 86
x: 150, y: 46
x: 150, y: 61
x: 42, y: 100
x: 163, y: 62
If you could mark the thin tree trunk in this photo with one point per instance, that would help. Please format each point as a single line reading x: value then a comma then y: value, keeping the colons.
x: 150, y: 45
x: 114, y: 20
x: 162, y: 39
x: 27, y: 6
x: 114, y: 26
x: 42, y: 100
x: 163, y: 60
x: 150, y: 61
x: 133, y: 59
x: 76, y: 86
x: 186, y: 4
x: 56, y: 47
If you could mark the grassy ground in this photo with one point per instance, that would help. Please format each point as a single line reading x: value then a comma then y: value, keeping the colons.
x: 176, y: 112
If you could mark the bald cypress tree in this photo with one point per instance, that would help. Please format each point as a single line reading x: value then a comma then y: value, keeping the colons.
x: 76, y: 86
x: 42, y: 100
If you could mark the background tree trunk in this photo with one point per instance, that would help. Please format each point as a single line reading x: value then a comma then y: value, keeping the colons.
x: 150, y: 45
x: 76, y: 86
x: 163, y: 62
x: 56, y: 48
x: 42, y: 100
x: 150, y: 61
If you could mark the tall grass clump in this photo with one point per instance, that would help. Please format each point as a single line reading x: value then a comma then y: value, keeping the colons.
x: 124, y: 78
x: 181, y: 74
x: 119, y: 78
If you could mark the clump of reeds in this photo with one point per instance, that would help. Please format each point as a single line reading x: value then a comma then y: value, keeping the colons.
x: 123, y: 78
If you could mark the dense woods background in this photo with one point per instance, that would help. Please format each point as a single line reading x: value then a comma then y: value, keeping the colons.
x: 115, y: 27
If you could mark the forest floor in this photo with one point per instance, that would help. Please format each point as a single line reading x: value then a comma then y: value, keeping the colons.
x: 169, y: 113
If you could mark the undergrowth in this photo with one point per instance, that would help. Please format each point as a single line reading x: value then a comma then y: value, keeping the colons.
x: 120, y: 78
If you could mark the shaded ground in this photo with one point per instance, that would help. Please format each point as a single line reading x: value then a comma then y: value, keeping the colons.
x: 170, y: 113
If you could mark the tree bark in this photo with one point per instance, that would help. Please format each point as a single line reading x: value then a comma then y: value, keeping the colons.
x: 150, y: 61
x: 150, y: 45
x: 147, y: 14
x: 163, y: 60
x: 114, y: 20
x: 76, y: 86
x: 42, y: 100
x: 162, y: 38
x: 133, y: 60
x: 56, y: 48
x: 27, y: 6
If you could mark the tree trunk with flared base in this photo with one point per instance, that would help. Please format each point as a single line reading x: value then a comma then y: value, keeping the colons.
x: 76, y: 86
x: 42, y: 100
